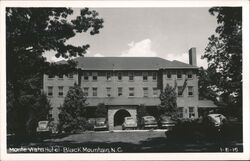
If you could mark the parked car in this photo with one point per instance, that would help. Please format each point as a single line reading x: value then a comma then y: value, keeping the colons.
x: 216, y: 120
x: 100, y: 124
x: 129, y: 123
x: 44, y: 127
x: 90, y: 124
x: 149, y: 122
x: 166, y: 122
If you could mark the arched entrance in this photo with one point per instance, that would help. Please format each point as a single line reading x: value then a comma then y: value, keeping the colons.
x: 119, y: 117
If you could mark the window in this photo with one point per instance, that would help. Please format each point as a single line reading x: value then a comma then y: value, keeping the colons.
x: 179, y: 75
x: 94, y: 76
x: 169, y: 75
x: 70, y: 75
x: 131, y: 92
x: 145, y: 76
x: 180, y: 112
x: 95, y: 91
x: 155, y: 92
x: 119, y: 76
x: 179, y: 88
x: 145, y: 92
x: 86, y: 91
x: 60, y: 91
x: 108, y: 76
x: 190, y: 91
x: 60, y: 76
x: 131, y: 76
x: 154, y: 76
x: 108, y: 91
x: 50, y: 76
x: 190, y: 75
x: 86, y: 76
x: 50, y: 91
x: 119, y: 91
x: 191, y: 112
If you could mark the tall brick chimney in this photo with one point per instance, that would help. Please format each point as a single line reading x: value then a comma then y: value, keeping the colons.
x: 192, y: 56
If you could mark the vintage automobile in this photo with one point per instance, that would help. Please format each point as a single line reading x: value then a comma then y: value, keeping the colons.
x: 90, y: 124
x: 129, y: 123
x: 149, y: 122
x: 166, y: 122
x: 44, y: 127
x: 100, y: 124
x: 216, y: 121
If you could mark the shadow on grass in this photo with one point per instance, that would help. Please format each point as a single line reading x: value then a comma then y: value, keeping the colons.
x: 182, y: 139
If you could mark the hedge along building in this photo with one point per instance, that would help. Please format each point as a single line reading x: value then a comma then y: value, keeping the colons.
x: 125, y: 83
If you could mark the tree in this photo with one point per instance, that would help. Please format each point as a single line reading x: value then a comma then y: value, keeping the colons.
x: 205, y: 85
x: 29, y: 33
x: 32, y: 108
x: 224, y: 55
x: 39, y: 111
x: 101, y: 110
x: 168, y: 99
x: 141, y: 111
x: 72, y: 116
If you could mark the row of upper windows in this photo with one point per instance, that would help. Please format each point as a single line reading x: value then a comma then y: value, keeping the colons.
x: 61, y: 76
x: 120, y: 76
x: 109, y: 75
x: 180, y: 75
x: 131, y: 91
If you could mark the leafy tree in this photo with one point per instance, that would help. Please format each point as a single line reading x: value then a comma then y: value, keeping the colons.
x: 204, y: 85
x: 32, y: 108
x: 29, y: 33
x: 101, y: 110
x: 224, y: 55
x: 141, y: 111
x: 72, y: 116
x: 38, y: 111
x: 168, y: 99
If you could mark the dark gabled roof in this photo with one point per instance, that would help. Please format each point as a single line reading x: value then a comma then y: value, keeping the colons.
x: 129, y: 63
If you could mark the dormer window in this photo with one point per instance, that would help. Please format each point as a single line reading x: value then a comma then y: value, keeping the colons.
x: 154, y: 76
x: 108, y: 76
x: 94, y: 76
x: 60, y: 76
x: 70, y: 75
x: 86, y: 76
x: 131, y: 76
x: 50, y: 76
x: 190, y: 75
x: 119, y: 75
x: 179, y: 75
x: 169, y: 75
x: 145, y: 76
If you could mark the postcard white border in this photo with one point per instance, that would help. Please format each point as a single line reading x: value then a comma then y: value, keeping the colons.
x: 128, y: 156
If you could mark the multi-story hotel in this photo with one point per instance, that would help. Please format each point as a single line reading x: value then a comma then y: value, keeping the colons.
x: 125, y: 83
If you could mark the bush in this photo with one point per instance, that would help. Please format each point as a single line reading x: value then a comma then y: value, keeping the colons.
x: 72, y: 117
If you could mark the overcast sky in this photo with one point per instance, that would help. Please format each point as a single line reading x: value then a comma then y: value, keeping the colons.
x: 163, y: 32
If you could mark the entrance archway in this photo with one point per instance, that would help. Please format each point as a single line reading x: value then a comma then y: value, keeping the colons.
x: 119, y: 117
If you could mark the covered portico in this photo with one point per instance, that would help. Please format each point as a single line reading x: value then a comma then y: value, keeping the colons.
x: 119, y: 108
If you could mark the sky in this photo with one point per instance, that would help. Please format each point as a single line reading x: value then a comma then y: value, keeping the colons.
x: 148, y: 32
